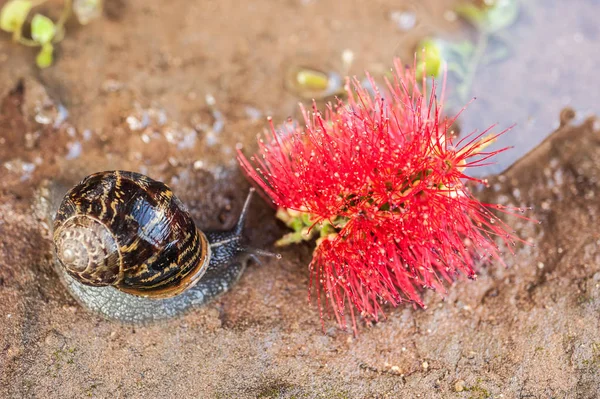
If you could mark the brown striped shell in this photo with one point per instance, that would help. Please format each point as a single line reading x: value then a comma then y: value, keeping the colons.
x: 126, y: 230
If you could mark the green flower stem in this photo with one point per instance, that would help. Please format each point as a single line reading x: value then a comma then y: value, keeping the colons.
x: 26, y: 42
x: 64, y: 16
x: 481, y: 46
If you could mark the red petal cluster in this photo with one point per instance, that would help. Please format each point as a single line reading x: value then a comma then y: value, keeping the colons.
x: 388, y: 166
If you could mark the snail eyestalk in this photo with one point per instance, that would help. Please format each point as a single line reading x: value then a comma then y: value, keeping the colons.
x: 226, y: 244
x: 239, y: 227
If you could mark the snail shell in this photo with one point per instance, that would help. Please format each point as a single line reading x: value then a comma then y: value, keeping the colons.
x: 128, y: 249
x: 129, y: 231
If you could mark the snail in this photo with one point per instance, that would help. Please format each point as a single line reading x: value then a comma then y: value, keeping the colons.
x: 127, y: 248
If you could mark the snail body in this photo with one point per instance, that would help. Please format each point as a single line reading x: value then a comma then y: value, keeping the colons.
x: 128, y: 249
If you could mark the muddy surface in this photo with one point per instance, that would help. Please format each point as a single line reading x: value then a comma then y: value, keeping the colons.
x: 135, y: 90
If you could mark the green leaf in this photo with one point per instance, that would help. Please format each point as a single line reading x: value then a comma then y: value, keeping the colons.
x: 289, y: 238
x: 283, y: 215
x: 458, y: 70
x: 44, y: 57
x: 87, y: 10
x: 501, y: 15
x: 498, y: 16
x: 296, y: 224
x: 472, y: 14
x: 326, y: 229
x: 306, y: 219
x: 42, y: 29
x: 13, y: 15
x: 464, y: 50
x: 312, y: 79
x: 430, y: 59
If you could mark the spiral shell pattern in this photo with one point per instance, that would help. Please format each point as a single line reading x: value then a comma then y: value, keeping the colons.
x: 88, y: 250
x: 126, y: 230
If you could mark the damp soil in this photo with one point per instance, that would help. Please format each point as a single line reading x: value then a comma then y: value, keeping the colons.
x: 134, y: 90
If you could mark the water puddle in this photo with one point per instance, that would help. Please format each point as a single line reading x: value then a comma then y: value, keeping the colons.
x: 546, y: 61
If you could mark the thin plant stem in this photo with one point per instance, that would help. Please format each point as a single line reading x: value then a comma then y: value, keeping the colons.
x: 66, y: 13
x: 482, y: 43
x: 27, y: 42
x: 60, y: 24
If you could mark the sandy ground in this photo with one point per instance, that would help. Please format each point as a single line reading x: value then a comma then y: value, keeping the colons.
x: 134, y: 85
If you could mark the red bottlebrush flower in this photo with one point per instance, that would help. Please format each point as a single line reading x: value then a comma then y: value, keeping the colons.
x: 382, y: 181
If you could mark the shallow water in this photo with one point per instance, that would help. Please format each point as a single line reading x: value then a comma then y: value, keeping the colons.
x: 552, y: 64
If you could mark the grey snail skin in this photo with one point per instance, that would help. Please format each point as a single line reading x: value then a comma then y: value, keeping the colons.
x: 128, y: 249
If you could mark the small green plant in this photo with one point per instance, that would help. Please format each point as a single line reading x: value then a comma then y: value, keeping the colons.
x: 465, y: 57
x: 44, y: 31
x: 430, y: 59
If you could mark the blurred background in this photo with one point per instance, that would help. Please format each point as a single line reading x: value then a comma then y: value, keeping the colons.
x: 155, y: 86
